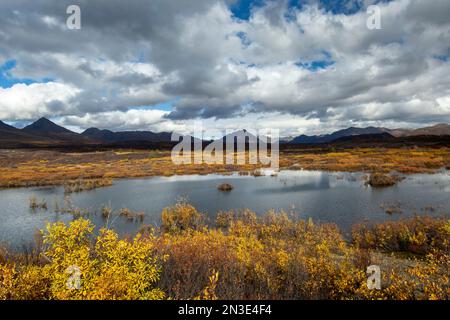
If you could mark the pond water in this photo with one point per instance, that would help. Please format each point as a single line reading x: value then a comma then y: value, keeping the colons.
x: 341, y: 198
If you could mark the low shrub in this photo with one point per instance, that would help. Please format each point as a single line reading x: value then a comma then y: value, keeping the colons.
x: 382, y: 180
x: 181, y: 217
x: 107, y: 267
x: 418, y: 235
x: 247, y: 257
x: 225, y: 187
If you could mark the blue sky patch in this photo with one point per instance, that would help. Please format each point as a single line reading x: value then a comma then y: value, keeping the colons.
x: 315, y: 65
x: 318, y: 64
x: 441, y: 58
x: 242, y: 8
x: 244, y: 39
x: 7, y: 80
x: 165, y: 106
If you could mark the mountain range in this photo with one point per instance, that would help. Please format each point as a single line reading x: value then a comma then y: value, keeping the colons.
x: 10, y: 135
x: 122, y: 136
x: 46, y: 133
x: 383, y: 133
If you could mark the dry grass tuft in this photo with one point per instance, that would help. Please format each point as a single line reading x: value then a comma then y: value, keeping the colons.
x: 80, y: 185
x: 35, y: 204
x: 381, y: 180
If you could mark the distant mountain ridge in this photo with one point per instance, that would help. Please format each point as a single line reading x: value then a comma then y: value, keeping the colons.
x: 46, y: 133
x: 122, y: 136
x: 243, y: 135
x: 440, y: 129
x: 436, y: 130
x: 352, y: 131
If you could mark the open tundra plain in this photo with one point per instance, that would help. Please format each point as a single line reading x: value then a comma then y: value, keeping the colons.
x: 232, y: 254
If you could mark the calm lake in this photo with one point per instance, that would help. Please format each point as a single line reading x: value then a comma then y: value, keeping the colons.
x: 341, y: 198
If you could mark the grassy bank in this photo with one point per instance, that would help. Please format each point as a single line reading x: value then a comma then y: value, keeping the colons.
x: 22, y: 168
x: 242, y: 257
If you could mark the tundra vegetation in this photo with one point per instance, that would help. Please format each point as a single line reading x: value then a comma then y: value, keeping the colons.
x: 225, y: 187
x: 131, y: 215
x: 378, y: 179
x: 80, y: 185
x: 80, y: 171
x: 240, y: 256
x: 35, y: 204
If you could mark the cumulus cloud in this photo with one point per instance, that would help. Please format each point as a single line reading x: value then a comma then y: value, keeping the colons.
x: 23, y: 101
x: 320, y: 67
x: 117, y: 120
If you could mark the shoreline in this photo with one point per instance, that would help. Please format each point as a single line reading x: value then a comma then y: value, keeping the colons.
x: 52, y: 168
x: 270, y: 256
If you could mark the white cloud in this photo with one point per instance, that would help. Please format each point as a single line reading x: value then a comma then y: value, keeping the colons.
x: 132, y: 55
x: 35, y: 100
x: 152, y: 120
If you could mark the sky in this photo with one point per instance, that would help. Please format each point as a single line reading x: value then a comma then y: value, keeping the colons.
x: 300, y: 66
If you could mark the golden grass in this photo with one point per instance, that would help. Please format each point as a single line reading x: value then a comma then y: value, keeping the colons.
x: 21, y: 168
x: 80, y: 185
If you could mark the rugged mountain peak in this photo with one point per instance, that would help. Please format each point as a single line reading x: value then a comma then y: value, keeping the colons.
x: 43, y: 125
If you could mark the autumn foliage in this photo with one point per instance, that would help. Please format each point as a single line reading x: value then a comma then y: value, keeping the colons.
x: 241, y: 256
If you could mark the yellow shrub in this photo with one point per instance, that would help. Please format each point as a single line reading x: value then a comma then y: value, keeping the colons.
x: 7, y: 281
x: 109, y: 268
x: 248, y: 257
x: 19, y: 282
x: 181, y: 217
x: 418, y: 235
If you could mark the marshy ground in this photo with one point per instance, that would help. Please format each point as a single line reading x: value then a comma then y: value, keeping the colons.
x: 242, y: 255
x: 22, y: 168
